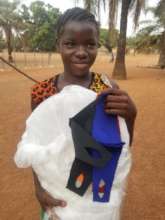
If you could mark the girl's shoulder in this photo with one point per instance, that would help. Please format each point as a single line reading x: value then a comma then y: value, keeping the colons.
x: 43, y: 90
x: 102, y: 81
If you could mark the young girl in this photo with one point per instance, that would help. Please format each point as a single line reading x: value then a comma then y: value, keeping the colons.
x: 77, y: 40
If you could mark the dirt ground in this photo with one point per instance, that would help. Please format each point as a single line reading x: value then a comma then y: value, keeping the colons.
x: 145, y: 198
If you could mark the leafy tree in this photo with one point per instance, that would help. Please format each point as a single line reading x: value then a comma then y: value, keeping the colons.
x: 9, y: 20
x: 104, y: 35
x: 2, y: 42
x: 42, y: 31
x: 145, y: 41
x: 23, y: 35
x: 153, y: 34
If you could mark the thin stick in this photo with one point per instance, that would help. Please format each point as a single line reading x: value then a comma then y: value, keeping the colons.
x: 19, y: 71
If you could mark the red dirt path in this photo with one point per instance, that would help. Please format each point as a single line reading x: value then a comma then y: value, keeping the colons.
x: 145, y: 199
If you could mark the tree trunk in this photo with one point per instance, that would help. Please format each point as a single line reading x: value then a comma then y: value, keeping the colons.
x: 111, y: 21
x: 88, y: 5
x: 161, y: 61
x: 108, y: 44
x: 119, y: 71
x: 8, y: 42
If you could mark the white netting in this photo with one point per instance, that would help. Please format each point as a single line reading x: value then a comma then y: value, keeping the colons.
x: 47, y: 146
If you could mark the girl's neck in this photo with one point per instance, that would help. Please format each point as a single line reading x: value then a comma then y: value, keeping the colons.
x: 65, y: 79
x: 75, y: 79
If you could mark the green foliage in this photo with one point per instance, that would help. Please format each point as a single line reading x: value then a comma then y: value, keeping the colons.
x: 9, y: 16
x: 159, y: 16
x: 9, y: 21
x: 104, y: 38
x: 148, y: 38
x: 160, y: 12
x: 103, y: 35
x: 42, y: 19
x: 143, y: 43
x: 34, y: 26
x: 2, y: 42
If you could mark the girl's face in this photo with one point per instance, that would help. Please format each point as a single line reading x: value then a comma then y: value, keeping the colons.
x: 78, y: 47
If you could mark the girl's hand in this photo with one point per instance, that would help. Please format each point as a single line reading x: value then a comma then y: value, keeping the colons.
x: 47, y: 201
x: 118, y: 102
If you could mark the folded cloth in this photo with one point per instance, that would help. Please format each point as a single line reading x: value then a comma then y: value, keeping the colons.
x: 105, y: 127
x: 94, y: 131
x: 84, y: 143
x: 107, y: 132
x: 47, y: 146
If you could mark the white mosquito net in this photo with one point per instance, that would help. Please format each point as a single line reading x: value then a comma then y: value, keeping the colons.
x: 48, y: 148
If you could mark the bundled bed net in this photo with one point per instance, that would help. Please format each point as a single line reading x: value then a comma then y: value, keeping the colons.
x: 48, y: 146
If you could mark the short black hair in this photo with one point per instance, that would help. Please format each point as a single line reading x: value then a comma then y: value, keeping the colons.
x: 75, y: 14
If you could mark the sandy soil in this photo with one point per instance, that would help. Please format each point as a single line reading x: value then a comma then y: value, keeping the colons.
x: 145, y: 196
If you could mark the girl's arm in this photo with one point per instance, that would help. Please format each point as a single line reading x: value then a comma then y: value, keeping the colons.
x: 45, y: 199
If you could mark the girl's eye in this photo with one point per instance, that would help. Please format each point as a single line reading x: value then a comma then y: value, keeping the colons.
x: 92, y: 45
x: 69, y: 44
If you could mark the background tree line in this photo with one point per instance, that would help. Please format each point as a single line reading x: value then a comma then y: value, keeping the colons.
x: 32, y: 28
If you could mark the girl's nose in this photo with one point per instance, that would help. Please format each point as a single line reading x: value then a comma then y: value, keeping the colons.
x: 81, y: 52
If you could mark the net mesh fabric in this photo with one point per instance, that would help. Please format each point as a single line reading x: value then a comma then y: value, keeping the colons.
x: 47, y: 146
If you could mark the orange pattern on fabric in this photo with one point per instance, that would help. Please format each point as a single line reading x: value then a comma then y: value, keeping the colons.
x: 43, y: 90
x: 79, y: 180
x: 46, y: 88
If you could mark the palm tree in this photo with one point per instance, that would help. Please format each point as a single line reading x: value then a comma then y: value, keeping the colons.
x: 119, y: 71
x: 160, y: 14
x: 9, y: 19
x: 93, y: 6
x: 155, y: 29
x: 112, y: 20
x: 89, y: 5
x: 161, y: 62
x: 145, y: 40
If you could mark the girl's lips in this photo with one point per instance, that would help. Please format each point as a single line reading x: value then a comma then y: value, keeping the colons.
x: 81, y: 65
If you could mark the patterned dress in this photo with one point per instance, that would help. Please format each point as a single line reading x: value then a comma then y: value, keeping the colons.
x: 47, y: 88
